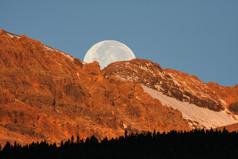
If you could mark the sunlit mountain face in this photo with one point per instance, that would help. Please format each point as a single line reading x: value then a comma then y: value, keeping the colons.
x: 46, y: 94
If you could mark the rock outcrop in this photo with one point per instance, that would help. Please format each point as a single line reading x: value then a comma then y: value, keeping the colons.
x: 202, y: 105
x: 46, y: 94
x: 234, y: 107
x: 172, y: 83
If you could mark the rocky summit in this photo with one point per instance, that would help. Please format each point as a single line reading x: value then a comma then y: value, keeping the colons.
x: 46, y: 94
x: 203, y: 105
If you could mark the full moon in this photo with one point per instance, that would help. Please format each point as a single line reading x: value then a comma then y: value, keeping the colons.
x: 108, y: 51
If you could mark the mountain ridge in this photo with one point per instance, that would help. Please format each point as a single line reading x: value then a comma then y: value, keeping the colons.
x: 46, y: 94
x: 183, y: 87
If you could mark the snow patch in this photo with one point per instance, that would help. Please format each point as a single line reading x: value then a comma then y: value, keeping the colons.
x: 203, y: 116
x: 146, y: 69
x: 48, y: 48
x: 67, y: 55
x: 174, y: 79
x: 13, y: 36
x: 124, y: 126
x: 51, y: 49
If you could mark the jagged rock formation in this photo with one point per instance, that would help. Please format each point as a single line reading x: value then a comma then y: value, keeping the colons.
x: 48, y: 94
x: 189, y: 91
x: 172, y: 83
x: 234, y: 107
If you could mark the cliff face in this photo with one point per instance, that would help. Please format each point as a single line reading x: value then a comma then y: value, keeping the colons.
x: 202, y: 105
x: 219, y: 94
x: 178, y: 85
x: 48, y: 94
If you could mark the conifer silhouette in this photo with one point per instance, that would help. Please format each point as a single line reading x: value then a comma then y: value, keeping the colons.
x: 193, y: 144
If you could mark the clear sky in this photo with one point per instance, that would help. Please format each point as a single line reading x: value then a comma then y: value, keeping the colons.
x: 199, y: 37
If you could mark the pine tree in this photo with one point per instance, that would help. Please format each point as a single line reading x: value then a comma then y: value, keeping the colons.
x: 7, y: 147
x: 126, y: 135
x: 72, y: 139
x: 15, y: 144
x: 78, y: 139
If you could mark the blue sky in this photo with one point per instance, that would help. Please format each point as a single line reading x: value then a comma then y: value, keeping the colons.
x: 199, y: 37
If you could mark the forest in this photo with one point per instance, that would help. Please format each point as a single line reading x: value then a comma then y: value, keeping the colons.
x: 194, y: 144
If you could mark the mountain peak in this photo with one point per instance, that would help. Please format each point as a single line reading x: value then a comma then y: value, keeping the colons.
x: 186, y: 89
x: 48, y: 94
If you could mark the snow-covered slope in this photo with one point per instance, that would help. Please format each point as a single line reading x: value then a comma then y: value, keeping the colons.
x: 202, y: 105
x: 196, y: 116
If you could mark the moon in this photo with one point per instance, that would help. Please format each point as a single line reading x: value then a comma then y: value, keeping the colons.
x: 108, y: 51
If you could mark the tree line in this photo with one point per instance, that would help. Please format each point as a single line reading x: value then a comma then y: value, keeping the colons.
x: 194, y: 144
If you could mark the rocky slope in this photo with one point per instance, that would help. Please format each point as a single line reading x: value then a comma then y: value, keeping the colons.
x: 46, y: 94
x: 230, y: 128
x: 203, y: 105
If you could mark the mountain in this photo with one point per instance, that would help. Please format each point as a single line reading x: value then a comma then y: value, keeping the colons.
x: 46, y: 94
x: 202, y: 105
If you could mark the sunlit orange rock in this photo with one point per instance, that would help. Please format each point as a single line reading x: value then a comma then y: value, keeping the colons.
x: 49, y: 95
x: 176, y: 84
